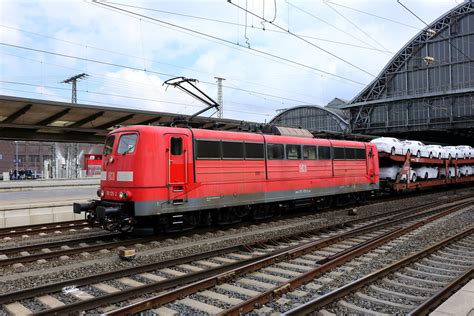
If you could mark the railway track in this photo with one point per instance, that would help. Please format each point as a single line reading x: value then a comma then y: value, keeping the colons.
x: 306, y: 251
x: 414, y: 285
x: 27, y: 231
x: 85, y: 245
x: 44, y: 229
x: 57, y: 249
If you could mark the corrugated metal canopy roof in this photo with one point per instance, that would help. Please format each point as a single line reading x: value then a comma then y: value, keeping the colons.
x: 44, y: 120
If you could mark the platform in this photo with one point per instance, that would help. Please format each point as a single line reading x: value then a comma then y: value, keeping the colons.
x: 18, y: 208
x: 29, y: 185
x: 459, y: 304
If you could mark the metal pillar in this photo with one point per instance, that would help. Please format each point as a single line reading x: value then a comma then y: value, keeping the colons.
x: 220, y: 101
x: 73, y: 81
x: 72, y: 150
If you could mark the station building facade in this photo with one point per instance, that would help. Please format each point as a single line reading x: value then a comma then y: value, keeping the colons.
x: 34, y: 156
x: 425, y: 92
x: 427, y: 89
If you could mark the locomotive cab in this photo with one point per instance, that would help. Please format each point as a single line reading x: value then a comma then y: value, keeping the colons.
x: 114, y: 211
x: 140, y: 166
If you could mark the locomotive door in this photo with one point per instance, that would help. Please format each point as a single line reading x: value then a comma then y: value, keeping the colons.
x: 177, y: 168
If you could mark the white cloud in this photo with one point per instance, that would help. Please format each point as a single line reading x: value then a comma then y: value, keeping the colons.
x: 167, y: 51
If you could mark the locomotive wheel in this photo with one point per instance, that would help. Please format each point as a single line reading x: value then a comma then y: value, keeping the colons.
x: 262, y: 212
x: 207, y: 219
x: 240, y: 212
x: 343, y: 199
x: 192, y: 220
x: 226, y: 216
x: 324, y: 202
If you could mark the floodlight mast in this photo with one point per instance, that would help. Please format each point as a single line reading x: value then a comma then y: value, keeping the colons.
x: 179, y: 82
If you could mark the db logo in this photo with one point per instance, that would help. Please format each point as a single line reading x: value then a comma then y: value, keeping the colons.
x: 110, y: 176
x: 303, y: 168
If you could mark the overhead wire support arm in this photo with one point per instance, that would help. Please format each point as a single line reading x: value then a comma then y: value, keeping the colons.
x: 302, y: 39
x: 178, y: 82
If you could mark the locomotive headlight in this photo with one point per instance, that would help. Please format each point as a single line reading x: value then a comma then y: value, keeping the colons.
x: 98, y: 192
x: 102, y: 193
x: 125, y: 195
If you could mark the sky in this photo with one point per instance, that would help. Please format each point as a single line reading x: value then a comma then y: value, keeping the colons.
x: 273, y: 54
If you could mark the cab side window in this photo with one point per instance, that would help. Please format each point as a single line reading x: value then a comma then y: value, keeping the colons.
x: 127, y: 143
x: 176, y: 146
x: 109, y: 145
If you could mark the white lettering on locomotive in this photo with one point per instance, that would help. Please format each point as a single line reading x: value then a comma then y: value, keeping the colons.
x: 302, y: 191
x: 303, y: 168
x: 111, y: 176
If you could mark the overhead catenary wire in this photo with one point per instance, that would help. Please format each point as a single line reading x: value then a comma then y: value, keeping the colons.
x: 148, y: 60
x: 368, y: 47
x: 95, y: 102
x: 355, y: 25
x: 132, y: 68
x: 335, y: 27
x: 266, y: 97
x: 304, y: 40
x: 440, y: 35
x: 372, y: 15
x: 116, y: 95
x: 228, y: 42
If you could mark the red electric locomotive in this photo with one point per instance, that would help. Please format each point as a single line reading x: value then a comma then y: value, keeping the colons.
x: 175, y: 178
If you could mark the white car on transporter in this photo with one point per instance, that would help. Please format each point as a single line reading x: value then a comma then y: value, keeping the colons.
x: 392, y: 172
x: 453, y: 152
x: 427, y: 172
x: 388, y: 145
x: 466, y: 151
x: 415, y: 148
x: 466, y: 170
x: 437, y: 151
x: 450, y: 172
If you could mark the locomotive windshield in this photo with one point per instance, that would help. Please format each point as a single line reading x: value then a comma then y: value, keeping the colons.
x: 109, y: 145
x: 127, y: 144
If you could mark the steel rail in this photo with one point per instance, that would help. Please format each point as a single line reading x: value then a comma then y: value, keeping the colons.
x: 24, y: 230
x: 22, y: 294
x: 429, y: 305
x: 55, y: 244
x: 64, y: 252
x: 214, y: 280
x: 337, y: 260
x: 339, y: 293
x: 24, y: 227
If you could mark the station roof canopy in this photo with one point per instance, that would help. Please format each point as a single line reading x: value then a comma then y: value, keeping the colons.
x: 44, y: 120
